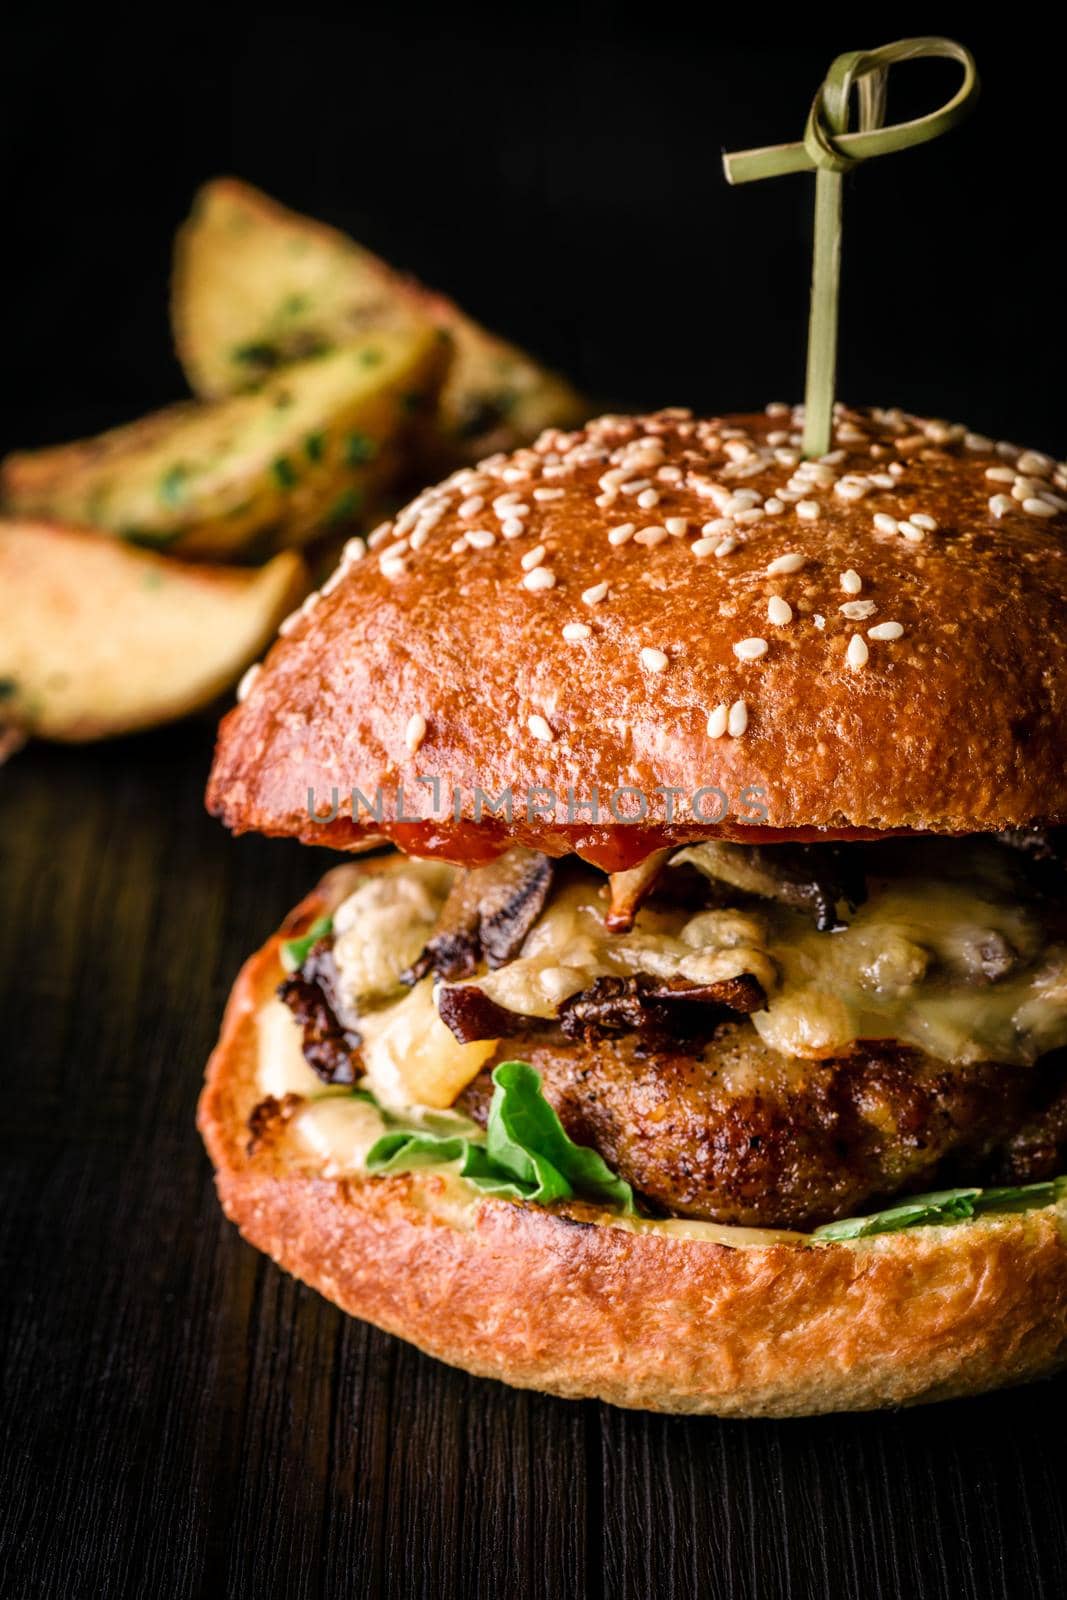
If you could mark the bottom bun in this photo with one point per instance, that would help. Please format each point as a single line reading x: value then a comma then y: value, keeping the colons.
x: 635, y: 1315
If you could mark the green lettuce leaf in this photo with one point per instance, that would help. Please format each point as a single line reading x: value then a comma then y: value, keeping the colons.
x: 944, y: 1206
x: 527, y: 1155
x: 295, y: 951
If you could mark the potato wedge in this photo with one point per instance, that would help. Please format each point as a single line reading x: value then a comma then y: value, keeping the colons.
x: 99, y: 639
x: 256, y: 285
x: 252, y: 473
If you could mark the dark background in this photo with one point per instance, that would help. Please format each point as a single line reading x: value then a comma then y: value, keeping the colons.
x: 179, y: 1418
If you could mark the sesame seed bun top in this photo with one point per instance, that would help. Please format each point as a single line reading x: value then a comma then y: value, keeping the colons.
x: 875, y: 641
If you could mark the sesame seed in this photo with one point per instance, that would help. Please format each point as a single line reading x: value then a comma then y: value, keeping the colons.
x: 511, y: 528
x: 857, y: 652
x: 573, y: 631
x: 651, y: 536
x: 505, y: 504
x: 653, y: 660
x: 851, y: 582
x: 779, y: 611
x: 648, y: 498
x: 896, y: 469
x: 909, y: 531
x: 884, y: 523
x: 1001, y: 503
x: 819, y: 620
x: 977, y: 441
x: 851, y: 489
x: 717, y: 719
x: 481, y: 538
x: 883, y: 480
x: 858, y: 610
x: 778, y: 408
x: 792, y: 561
x: 540, y: 729
x: 677, y: 527
x: 548, y: 494
x: 595, y: 594
x: 1038, y: 508
x: 808, y: 509
x: 605, y: 500
x: 383, y: 531
x: 726, y: 546
x: 885, y: 630
x: 717, y: 526
x: 774, y: 507
x: 636, y: 486
x: 1032, y: 461
x: 620, y: 534
x: 532, y: 558
x: 704, y: 547
x: 355, y: 549
x: 1001, y: 474
x: 458, y: 546
x: 415, y: 732
x: 244, y: 688
x: 920, y: 519
x: 737, y: 721
x: 669, y: 474
x: 471, y: 507
x: 750, y: 649
x: 392, y: 567
x: 539, y: 578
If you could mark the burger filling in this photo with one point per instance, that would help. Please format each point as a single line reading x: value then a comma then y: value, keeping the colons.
x: 765, y: 1036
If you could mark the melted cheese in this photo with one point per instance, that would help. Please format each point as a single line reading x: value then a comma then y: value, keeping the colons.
x: 912, y: 965
x: 381, y: 927
x: 411, y: 1059
x: 569, y: 948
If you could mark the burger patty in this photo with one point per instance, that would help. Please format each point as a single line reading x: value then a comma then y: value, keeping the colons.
x: 739, y: 1134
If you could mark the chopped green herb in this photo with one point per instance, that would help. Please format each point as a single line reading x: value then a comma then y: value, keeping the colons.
x: 369, y: 356
x: 295, y: 951
x: 150, y: 538
x: 945, y: 1206
x: 285, y: 475
x: 172, y: 485
x: 359, y: 447
x: 282, y: 400
x: 412, y: 401
x: 8, y: 688
x: 258, y: 354
x: 345, y: 506
x: 527, y: 1154
x: 294, y: 304
x: 315, y: 446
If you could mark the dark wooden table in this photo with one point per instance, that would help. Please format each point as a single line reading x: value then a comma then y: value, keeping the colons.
x: 183, y: 1420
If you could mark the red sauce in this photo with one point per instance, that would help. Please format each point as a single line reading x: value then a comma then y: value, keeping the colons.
x: 613, y: 849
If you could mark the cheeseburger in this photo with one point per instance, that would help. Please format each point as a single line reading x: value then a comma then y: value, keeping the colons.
x: 700, y: 1043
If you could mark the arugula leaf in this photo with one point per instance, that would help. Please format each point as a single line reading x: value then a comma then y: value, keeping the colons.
x: 527, y: 1154
x: 295, y: 951
x: 943, y: 1206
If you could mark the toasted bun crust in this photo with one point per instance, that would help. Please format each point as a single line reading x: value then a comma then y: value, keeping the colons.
x: 958, y: 725
x: 565, y: 1302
